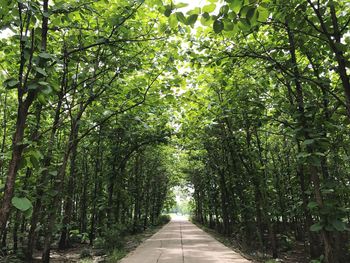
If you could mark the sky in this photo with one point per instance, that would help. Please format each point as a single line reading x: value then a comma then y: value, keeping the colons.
x: 191, y: 3
x: 5, y: 33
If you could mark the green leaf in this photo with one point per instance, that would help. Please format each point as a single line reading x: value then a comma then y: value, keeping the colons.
x: 315, y: 160
x: 195, y: 11
x: 181, y: 5
x: 43, y: 83
x: 42, y: 99
x: 168, y: 10
x: 11, y: 83
x: 341, y: 47
x: 250, y: 13
x: 47, y: 90
x: 228, y: 25
x: 173, y: 21
x: 180, y: 17
x: 34, y: 161
x: 45, y: 55
x: 244, y: 11
x: 209, y: 8
x: 309, y: 141
x: 41, y: 71
x: 33, y: 86
x: 303, y: 155
x: 218, y: 26
x: 316, y: 227
x: 191, y: 20
x: 22, y: 204
x: 224, y: 9
x: 263, y: 14
x: 244, y: 24
x: 312, y: 205
x: 205, y: 19
x: 28, y: 213
x: 236, y: 5
x: 53, y: 173
x: 338, y: 225
x: 162, y: 27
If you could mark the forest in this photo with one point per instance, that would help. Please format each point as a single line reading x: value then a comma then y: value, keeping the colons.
x: 107, y: 106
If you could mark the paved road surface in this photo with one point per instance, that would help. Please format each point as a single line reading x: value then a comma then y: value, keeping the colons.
x: 182, y: 242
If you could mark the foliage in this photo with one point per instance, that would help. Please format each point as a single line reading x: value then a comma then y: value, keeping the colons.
x: 163, y: 219
x: 106, y: 108
x: 115, y: 256
x: 113, y: 239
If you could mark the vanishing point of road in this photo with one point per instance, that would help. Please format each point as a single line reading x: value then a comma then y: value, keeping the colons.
x: 180, y: 241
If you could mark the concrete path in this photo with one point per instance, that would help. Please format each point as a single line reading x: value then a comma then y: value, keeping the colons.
x: 182, y: 242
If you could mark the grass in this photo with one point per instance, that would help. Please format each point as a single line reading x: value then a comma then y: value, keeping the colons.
x: 116, y: 255
x: 87, y: 260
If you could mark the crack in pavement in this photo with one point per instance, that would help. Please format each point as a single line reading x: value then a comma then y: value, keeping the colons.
x: 182, y: 245
x: 161, y: 251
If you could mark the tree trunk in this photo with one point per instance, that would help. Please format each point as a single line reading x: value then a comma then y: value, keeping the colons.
x: 58, y: 184
x: 83, y: 201
x: 22, y: 113
x: 43, y: 178
x: 17, y: 150
x: 68, y: 204
x: 314, y: 173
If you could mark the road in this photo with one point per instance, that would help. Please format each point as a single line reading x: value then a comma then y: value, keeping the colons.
x: 180, y: 241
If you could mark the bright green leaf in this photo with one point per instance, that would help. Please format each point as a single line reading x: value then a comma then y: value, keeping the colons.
x: 173, y: 21
x: 22, y: 204
x: 181, y: 5
x: 236, y: 5
x: 263, y: 14
x: 209, y: 8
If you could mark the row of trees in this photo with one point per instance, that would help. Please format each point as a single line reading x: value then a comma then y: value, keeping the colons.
x: 83, y: 119
x: 86, y: 103
x: 270, y: 161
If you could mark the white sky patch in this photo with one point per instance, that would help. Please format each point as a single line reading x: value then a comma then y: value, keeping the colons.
x: 191, y: 4
x: 6, y: 33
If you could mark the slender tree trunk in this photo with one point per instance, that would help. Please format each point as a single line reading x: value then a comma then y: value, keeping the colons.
x: 17, y: 149
x: 3, y: 140
x: 94, y: 213
x: 68, y: 204
x: 43, y: 178
x: 83, y: 201
x: 137, y: 194
x: 59, y: 183
x: 268, y: 219
x: 112, y: 178
x: 314, y: 173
